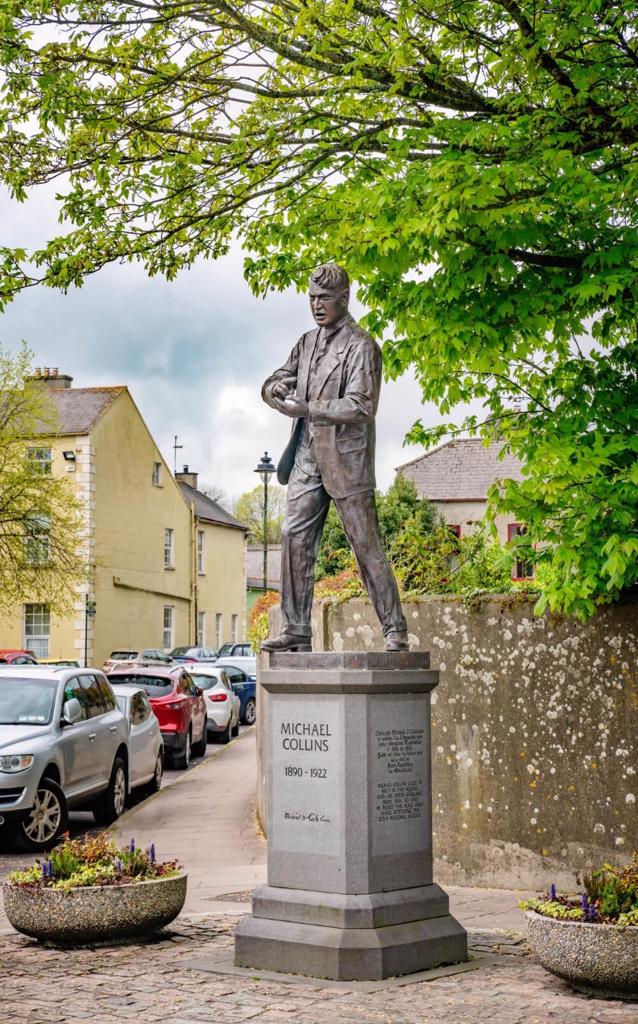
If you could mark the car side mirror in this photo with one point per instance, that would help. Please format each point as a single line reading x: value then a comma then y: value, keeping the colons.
x: 71, y: 711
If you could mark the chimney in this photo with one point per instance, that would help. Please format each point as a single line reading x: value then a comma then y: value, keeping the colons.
x: 51, y: 377
x: 186, y: 477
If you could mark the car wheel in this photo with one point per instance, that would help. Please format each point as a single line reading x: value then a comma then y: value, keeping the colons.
x: 47, y: 819
x: 224, y: 737
x: 199, y: 748
x: 250, y: 712
x: 184, y: 759
x: 108, y: 807
x: 235, y: 728
x: 155, y: 783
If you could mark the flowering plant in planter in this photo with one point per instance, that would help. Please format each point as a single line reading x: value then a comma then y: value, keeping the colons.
x: 590, y: 939
x: 94, y: 860
x: 610, y: 896
x: 91, y: 890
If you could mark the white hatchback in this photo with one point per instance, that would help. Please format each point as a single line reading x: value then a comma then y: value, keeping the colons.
x: 222, y: 703
x: 145, y: 739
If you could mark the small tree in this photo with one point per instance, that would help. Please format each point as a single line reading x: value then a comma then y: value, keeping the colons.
x: 40, y: 519
x: 249, y: 509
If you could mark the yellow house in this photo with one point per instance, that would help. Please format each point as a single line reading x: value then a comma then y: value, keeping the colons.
x: 145, y: 587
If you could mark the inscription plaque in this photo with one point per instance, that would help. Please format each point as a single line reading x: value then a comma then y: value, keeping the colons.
x: 399, y: 757
x: 305, y: 804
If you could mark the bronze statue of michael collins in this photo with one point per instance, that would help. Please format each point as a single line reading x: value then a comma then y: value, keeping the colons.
x: 330, y: 386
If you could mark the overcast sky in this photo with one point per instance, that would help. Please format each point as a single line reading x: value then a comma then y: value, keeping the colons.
x: 193, y: 354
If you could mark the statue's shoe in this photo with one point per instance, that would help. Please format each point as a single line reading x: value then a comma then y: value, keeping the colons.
x: 397, y: 640
x: 287, y: 642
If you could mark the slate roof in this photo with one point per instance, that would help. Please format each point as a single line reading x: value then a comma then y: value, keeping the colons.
x: 209, y: 510
x: 460, y: 470
x: 255, y: 566
x: 78, y: 409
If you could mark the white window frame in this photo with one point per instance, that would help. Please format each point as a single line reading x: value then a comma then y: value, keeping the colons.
x: 168, y: 628
x: 201, y: 553
x: 201, y: 629
x: 233, y: 628
x: 37, y: 541
x: 218, y: 630
x: 38, y: 642
x: 40, y: 459
x: 156, y: 476
x: 169, y: 548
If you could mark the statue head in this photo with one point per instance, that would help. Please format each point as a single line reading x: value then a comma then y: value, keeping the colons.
x: 329, y: 293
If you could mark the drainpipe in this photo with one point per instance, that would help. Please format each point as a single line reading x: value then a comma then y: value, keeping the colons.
x: 192, y: 627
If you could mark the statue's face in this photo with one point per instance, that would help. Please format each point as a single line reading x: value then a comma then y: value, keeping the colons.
x: 327, y: 306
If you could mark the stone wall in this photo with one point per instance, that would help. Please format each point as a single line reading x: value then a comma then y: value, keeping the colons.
x: 535, y: 734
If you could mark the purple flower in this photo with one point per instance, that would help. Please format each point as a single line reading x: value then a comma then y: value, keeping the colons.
x: 132, y: 846
x: 51, y: 871
x: 552, y: 892
x: 118, y: 866
x: 592, y: 911
x: 44, y: 871
x: 584, y: 905
x: 151, y: 852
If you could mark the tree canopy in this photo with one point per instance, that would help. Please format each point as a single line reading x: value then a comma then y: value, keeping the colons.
x: 41, y: 527
x: 473, y: 163
x: 249, y: 509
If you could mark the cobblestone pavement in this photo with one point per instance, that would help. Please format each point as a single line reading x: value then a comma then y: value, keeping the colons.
x: 159, y: 982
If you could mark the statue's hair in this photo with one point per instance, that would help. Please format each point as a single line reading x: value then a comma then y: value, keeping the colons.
x: 331, y: 276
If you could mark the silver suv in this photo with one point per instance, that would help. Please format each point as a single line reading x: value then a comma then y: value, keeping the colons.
x: 63, y: 743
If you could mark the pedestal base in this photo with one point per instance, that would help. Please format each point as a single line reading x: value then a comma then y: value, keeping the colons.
x: 366, y: 937
x: 350, y: 894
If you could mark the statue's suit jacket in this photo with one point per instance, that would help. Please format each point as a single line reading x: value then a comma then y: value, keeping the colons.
x: 342, y: 393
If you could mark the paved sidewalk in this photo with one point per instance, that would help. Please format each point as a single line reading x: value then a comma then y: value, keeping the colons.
x: 206, y: 819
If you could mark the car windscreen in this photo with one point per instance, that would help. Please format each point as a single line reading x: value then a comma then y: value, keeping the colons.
x: 224, y: 649
x: 123, y: 655
x: 155, y: 686
x: 179, y: 652
x: 27, y: 701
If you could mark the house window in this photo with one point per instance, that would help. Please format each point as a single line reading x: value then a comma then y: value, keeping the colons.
x: 157, y: 474
x: 201, y: 629
x: 169, y: 549
x: 37, y: 629
x: 200, y: 552
x: 218, y: 630
x: 39, y: 460
x: 522, y: 569
x: 37, y: 540
x: 168, y: 632
x: 233, y: 628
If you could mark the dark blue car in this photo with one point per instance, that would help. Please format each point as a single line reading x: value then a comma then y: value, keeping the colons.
x: 244, y: 686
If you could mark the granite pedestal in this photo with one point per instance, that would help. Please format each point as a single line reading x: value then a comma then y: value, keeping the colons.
x: 350, y: 894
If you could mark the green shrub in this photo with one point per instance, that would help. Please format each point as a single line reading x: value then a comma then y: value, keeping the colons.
x: 94, y: 860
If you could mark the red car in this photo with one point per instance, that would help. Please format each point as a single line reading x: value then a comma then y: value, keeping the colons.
x: 14, y: 657
x: 178, y: 704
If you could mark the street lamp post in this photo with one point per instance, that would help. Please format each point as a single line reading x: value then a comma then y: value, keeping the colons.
x: 265, y: 468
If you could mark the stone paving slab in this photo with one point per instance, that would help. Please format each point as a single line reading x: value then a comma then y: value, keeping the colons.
x: 157, y: 982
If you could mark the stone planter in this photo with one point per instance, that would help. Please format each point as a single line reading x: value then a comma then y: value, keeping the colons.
x: 598, y: 959
x: 95, y: 913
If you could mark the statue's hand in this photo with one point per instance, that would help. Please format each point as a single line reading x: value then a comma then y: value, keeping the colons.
x: 293, y: 406
x: 283, y: 387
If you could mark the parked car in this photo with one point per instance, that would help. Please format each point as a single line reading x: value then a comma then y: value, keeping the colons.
x: 223, y: 706
x: 145, y: 738
x: 242, y: 650
x: 179, y: 705
x: 64, y: 744
x: 60, y: 662
x: 244, y: 684
x: 127, y: 657
x: 189, y: 655
x: 18, y: 657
